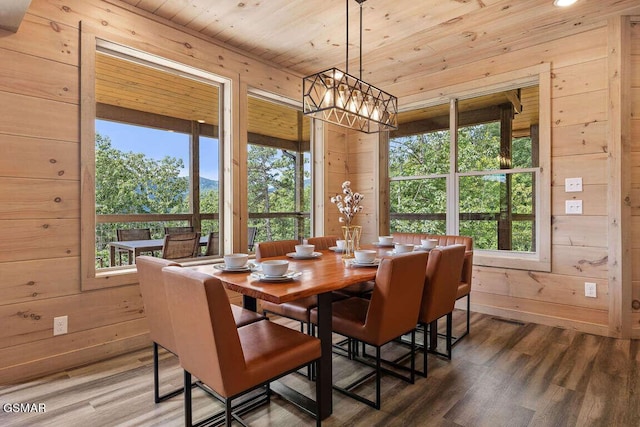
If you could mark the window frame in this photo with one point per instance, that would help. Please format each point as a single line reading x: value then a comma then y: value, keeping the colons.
x: 297, y: 106
x: 92, y: 278
x: 540, y: 260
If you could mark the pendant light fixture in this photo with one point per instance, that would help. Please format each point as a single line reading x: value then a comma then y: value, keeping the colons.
x: 340, y: 98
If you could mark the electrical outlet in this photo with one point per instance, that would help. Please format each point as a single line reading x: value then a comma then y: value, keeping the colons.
x: 573, y: 207
x: 572, y: 185
x: 60, y: 325
x: 590, y: 290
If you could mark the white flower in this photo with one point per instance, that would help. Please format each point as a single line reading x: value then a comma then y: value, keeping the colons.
x: 349, y: 205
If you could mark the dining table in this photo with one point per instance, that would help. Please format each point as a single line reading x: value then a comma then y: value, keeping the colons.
x: 318, y: 275
x: 136, y: 247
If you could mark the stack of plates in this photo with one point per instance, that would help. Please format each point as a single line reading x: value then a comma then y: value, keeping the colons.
x: 289, y: 275
x: 295, y: 255
x: 355, y: 263
x: 223, y: 267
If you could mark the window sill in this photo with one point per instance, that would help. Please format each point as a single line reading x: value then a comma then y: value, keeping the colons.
x: 513, y: 260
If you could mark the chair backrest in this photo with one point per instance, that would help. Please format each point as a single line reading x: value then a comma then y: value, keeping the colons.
x: 213, y: 244
x: 275, y: 248
x: 206, y: 334
x: 154, y: 298
x: 441, y: 282
x: 322, y: 243
x: 395, y: 302
x: 445, y: 240
x: 175, y: 230
x: 128, y: 234
x: 182, y: 245
x: 251, y: 240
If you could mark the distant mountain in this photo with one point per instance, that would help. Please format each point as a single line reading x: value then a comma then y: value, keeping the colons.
x: 208, y: 184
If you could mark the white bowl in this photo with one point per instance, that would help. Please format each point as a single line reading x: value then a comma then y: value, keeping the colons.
x: 364, y: 256
x: 429, y: 243
x: 304, y: 250
x: 341, y: 244
x: 235, y: 260
x: 275, y: 267
x: 403, y: 247
x: 385, y: 240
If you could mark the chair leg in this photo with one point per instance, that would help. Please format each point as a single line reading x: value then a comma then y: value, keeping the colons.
x: 228, y: 415
x: 156, y: 380
x: 188, y: 421
x: 378, y: 375
x: 318, y: 400
x: 449, y: 332
x: 424, y: 355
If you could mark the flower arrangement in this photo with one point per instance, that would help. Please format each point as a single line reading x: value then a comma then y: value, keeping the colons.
x: 348, y: 203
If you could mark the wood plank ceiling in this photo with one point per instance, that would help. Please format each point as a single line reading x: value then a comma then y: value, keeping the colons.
x: 401, y: 39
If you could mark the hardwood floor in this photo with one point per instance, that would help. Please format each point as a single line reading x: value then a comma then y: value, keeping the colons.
x: 503, y: 374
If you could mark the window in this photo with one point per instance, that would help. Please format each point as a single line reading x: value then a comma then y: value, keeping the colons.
x: 279, y: 170
x: 156, y: 149
x: 472, y: 167
x: 152, y: 151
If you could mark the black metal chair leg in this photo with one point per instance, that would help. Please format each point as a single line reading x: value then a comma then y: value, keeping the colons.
x: 156, y: 380
x: 188, y: 421
x: 378, y: 375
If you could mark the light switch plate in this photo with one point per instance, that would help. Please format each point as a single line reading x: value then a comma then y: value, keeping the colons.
x: 573, y: 207
x: 590, y: 290
x: 572, y: 185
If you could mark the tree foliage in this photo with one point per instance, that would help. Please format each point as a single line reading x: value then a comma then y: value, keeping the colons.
x: 482, y: 199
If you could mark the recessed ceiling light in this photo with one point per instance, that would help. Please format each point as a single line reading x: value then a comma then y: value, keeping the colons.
x: 200, y: 121
x: 563, y: 3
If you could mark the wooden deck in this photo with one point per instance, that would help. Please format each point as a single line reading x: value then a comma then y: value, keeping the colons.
x: 503, y: 374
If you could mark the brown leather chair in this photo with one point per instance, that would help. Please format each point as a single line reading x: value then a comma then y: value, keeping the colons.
x: 391, y: 312
x: 322, y: 243
x: 231, y: 361
x: 298, y: 309
x: 464, y: 286
x: 181, y: 245
x: 156, y: 308
x: 439, y: 295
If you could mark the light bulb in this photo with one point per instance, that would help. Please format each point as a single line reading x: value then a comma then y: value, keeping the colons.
x: 563, y: 3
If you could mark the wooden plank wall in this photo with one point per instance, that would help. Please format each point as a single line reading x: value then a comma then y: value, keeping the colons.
x: 40, y: 182
x: 635, y: 175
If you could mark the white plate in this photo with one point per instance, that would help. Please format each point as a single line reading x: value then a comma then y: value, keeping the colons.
x: 420, y: 248
x: 295, y: 255
x: 289, y: 275
x: 222, y: 267
x: 336, y: 249
x: 355, y: 263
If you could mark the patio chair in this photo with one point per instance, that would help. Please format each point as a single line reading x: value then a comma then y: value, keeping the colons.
x: 176, y: 230
x: 213, y: 244
x: 182, y: 245
x: 128, y: 234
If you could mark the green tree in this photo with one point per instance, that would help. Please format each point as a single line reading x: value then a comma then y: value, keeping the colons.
x: 132, y: 183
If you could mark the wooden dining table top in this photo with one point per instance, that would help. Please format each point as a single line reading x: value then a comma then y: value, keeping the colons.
x: 324, y: 273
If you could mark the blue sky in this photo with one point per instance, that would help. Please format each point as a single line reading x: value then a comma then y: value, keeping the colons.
x: 157, y: 144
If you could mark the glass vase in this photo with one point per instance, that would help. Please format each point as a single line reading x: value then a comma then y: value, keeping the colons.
x: 351, y: 235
